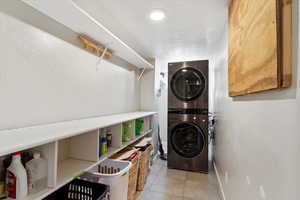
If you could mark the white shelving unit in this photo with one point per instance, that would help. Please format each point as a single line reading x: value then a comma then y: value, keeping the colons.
x: 81, y: 21
x: 39, y: 135
x: 70, y: 147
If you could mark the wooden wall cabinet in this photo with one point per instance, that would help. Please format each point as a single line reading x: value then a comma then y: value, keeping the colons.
x: 260, y: 45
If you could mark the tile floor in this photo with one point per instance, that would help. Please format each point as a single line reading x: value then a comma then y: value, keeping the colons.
x: 170, y: 184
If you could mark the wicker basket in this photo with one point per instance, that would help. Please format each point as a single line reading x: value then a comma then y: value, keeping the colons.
x: 133, y: 173
x: 143, y: 167
x: 133, y: 177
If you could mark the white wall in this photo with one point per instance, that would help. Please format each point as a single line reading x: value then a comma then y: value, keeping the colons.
x: 44, y: 79
x: 258, y: 135
x: 147, y: 90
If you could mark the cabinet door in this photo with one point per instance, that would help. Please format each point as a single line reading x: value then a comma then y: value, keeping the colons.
x: 257, y: 60
x: 286, y: 35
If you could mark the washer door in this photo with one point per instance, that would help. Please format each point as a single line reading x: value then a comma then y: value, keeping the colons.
x: 187, y: 139
x: 187, y: 84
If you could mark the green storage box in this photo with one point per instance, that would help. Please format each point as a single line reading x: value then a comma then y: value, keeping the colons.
x: 138, y: 126
x: 125, y: 132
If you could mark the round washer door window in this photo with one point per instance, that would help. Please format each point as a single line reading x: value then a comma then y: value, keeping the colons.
x: 187, y: 140
x: 187, y: 84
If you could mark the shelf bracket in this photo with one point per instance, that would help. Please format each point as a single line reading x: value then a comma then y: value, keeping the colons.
x: 141, y: 74
x: 101, y: 57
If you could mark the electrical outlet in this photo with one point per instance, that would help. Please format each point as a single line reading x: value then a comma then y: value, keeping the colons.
x: 226, y: 177
x: 262, y: 193
x: 248, y: 180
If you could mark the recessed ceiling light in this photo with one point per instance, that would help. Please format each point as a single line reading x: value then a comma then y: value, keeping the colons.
x: 157, y: 15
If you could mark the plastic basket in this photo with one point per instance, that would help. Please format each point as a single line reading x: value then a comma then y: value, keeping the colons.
x: 134, y: 158
x: 111, y: 168
x: 115, y: 174
x: 80, y: 190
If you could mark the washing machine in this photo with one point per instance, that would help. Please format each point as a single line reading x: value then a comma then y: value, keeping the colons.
x: 188, y: 85
x: 188, y: 140
x: 188, y: 115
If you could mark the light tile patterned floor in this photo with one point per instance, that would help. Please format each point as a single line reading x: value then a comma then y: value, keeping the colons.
x: 170, y: 184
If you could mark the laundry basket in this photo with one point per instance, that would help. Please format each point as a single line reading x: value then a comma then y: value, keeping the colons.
x: 132, y: 155
x: 114, y: 173
x: 144, y: 166
x: 80, y: 190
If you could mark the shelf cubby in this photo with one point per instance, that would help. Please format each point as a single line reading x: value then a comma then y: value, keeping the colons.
x: 131, y: 130
x: 116, y: 132
x: 147, y: 124
x: 76, y: 154
x: 49, y: 152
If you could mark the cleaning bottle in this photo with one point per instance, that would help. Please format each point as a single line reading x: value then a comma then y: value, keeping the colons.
x: 37, y: 173
x: 100, y: 142
x: 16, y: 179
x: 109, y: 137
x: 103, y: 144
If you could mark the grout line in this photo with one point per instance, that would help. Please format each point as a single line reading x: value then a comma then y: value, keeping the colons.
x: 219, y: 181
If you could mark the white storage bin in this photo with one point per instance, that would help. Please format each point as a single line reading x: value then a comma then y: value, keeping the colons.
x: 115, y: 174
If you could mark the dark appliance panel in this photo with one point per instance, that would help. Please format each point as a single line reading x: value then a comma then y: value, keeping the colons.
x: 188, y: 142
x: 188, y: 84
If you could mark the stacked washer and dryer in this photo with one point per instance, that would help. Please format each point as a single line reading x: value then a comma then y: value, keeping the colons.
x: 188, y: 116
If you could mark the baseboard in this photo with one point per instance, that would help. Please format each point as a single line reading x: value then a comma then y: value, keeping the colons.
x: 220, y: 182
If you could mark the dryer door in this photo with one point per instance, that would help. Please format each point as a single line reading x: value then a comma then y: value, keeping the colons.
x: 187, y: 84
x: 187, y: 139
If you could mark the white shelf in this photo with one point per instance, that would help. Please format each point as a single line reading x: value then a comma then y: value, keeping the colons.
x: 81, y: 21
x: 61, y: 144
x: 70, y: 168
x: 25, y: 138
x: 40, y: 195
